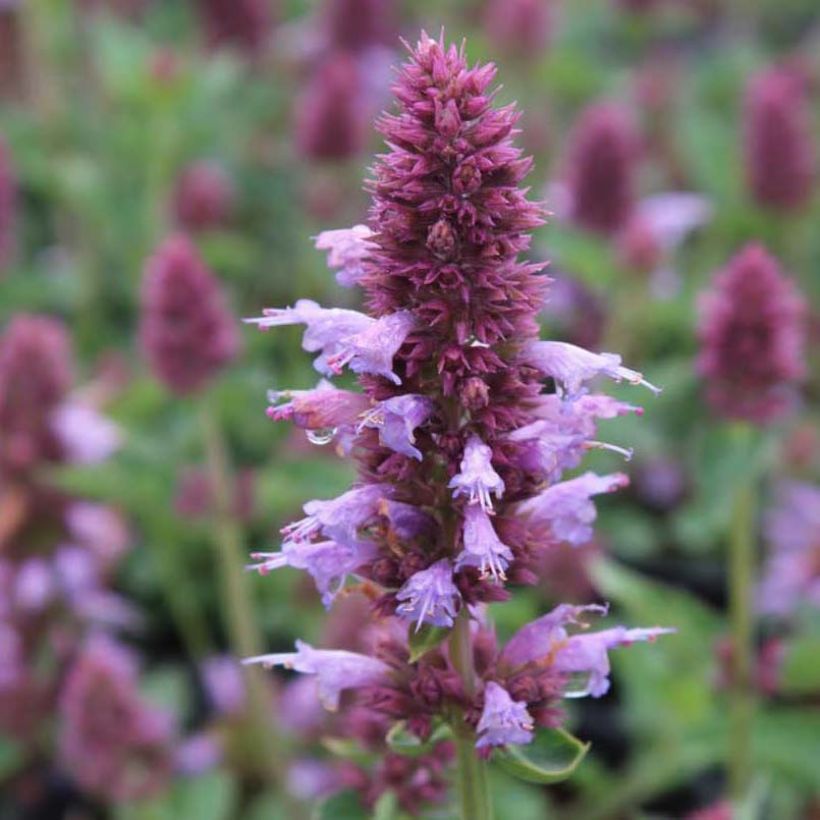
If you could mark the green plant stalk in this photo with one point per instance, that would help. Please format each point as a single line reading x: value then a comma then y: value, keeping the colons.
x: 235, y: 598
x: 473, y: 786
x: 741, y: 582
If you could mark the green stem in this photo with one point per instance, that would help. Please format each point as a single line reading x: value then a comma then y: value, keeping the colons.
x: 473, y: 787
x: 741, y: 580
x: 258, y: 731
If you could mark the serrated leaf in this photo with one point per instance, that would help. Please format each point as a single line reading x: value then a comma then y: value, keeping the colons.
x: 425, y: 639
x: 553, y: 756
x: 406, y: 743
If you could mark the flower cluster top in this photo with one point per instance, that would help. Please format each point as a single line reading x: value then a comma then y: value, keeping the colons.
x: 466, y: 422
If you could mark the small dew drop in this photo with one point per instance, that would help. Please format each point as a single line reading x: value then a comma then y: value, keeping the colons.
x: 578, y: 685
x: 322, y: 436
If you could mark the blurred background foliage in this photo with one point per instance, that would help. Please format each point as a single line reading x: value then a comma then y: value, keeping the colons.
x: 106, y: 104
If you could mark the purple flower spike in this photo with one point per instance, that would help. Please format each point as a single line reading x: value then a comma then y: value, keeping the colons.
x: 339, y: 518
x: 482, y: 547
x: 477, y: 479
x: 396, y: 419
x: 335, y: 669
x: 347, y: 248
x: 566, y: 508
x: 586, y: 655
x: 752, y: 333
x: 430, y: 596
x: 327, y: 562
x: 572, y: 366
x: 503, y: 720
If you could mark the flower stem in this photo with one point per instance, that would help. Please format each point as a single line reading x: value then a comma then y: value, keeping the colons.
x: 243, y: 636
x: 741, y: 578
x: 474, y: 792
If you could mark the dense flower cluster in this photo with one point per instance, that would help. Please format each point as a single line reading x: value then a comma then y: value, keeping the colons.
x: 520, y: 27
x: 57, y: 556
x: 330, y: 114
x: 779, y: 145
x: 114, y: 743
x: 203, y: 197
x: 602, y: 169
x: 752, y: 339
x: 242, y: 24
x: 461, y: 450
x: 186, y: 331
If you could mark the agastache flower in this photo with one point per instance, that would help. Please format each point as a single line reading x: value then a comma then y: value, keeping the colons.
x: 344, y: 337
x: 602, y: 169
x: 572, y: 367
x: 430, y: 596
x: 323, y: 407
x: 339, y: 518
x: 482, y: 547
x: 328, y: 563
x: 752, y: 339
x: 457, y: 483
x: 477, y: 479
x: 396, y: 420
x: 336, y: 670
x: 583, y: 654
x: 779, y: 146
x: 503, y: 720
x: 791, y: 574
x: 567, y: 509
x: 186, y: 331
x: 347, y: 248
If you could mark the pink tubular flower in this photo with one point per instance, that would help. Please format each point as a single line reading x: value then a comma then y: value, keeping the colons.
x: 186, y: 331
x: 477, y: 479
x: 602, y: 169
x: 8, y: 205
x: 347, y: 248
x: 503, y: 720
x: 567, y: 509
x: 752, y: 339
x: 35, y: 374
x: 115, y: 745
x: 336, y: 670
x: 779, y: 147
x: 331, y: 111
x: 463, y: 438
x: 203, y: 197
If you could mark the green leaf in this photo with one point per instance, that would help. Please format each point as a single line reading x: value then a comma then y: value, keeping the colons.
x: 387, y: 807
x: 800, y: 672
x: 406, y: 743
x: 11, y: 757
x: 425, y: 639
x: 345, y: 805
x: 553, y: 756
